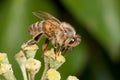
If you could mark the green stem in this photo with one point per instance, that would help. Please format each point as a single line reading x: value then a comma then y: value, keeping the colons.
x: 31, y: 76
x: 46, y: 61
x: 24, y: 72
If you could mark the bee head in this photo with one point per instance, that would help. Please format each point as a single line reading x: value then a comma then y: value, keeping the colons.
x: 74, y: 41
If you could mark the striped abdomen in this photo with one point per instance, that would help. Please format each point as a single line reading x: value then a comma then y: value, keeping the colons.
x: 35, y: 28
x: 48, y: 27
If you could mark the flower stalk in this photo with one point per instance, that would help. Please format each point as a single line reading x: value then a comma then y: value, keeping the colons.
x: 21, y: 59
x: 45, y: 68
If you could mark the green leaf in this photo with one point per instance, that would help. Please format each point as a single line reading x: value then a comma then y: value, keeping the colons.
x: 102, y: 21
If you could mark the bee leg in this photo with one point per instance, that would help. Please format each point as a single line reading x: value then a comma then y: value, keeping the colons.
x: 38, y: 36
x: 62, y: 48
x: 45, y: 45
x: 55, y: 47
x: 64, y: 51
x: 31, y: 42
x: 35, y: 39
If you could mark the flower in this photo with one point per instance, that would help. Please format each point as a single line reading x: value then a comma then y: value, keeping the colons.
x: 7, y: 72
x: 20, y: 57
x: 4, y: 68
x: 30, y: 50
x: 52, y: 74
x: 56, y: 57
x: 3, y: 58
x: 55, y: 60
x: 72, y: 78
x: 60, y: 58
x: 33, y: 65
x: 31, y: 47
x: 50, y: 53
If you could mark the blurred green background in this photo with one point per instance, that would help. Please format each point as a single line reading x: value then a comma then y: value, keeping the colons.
x: 97, y: 21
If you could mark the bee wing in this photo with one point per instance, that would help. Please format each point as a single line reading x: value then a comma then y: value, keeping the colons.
x: 68, y: 29
x: 45, y: 16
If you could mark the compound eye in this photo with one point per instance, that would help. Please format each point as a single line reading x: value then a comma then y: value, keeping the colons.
x: 72, y: 40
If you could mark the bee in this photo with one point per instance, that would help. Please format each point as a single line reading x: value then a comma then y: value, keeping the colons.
x: 59, y: 33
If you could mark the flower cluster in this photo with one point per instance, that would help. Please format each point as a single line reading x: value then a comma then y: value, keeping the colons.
x: 27, y: 62
x: 52, y: 63
x: 30, y: 66
x: 6, y: 68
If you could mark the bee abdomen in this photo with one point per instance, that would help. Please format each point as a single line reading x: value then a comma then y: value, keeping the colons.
x: 35, y: 28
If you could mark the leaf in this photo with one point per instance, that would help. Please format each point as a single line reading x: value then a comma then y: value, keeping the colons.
x: 102, y: 21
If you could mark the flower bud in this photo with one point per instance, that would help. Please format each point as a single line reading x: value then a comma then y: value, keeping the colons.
x: 72, y: 78
x: 30, y: 50
x: 52, y: 74
x: 60, y: 58
x: 4, y: 68
x: 33, y: 65
x: 20, y: 57
x: 3, y: 58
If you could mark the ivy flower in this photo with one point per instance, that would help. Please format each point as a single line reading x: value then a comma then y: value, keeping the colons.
x: 72, y: 78
x: 20, y: 57
x: 50, y: 53
x: 60, y: 58
x: 30, y: 50
x: 52, y: 74
x: 33, y: 65
x: 5, y: 68
x: 3, y: 58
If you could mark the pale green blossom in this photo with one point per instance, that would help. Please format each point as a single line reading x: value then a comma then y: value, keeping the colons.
x: 72, y: 78
x: 5, y: 68
x: 33, y: 65
x: 52, y: 74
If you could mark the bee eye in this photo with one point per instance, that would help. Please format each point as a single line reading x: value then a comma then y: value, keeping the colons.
x: 72, y: 40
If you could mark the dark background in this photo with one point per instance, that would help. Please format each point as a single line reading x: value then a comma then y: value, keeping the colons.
x: 97, y: 21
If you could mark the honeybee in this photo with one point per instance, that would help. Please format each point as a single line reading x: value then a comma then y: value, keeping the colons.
x: 61, y: 34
